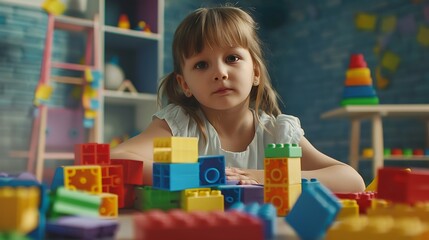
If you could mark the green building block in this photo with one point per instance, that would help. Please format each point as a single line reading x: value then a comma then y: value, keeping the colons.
x: 148, y: 198
x: 360, y: 101
x: 280, y: 150
x: 75, y: 202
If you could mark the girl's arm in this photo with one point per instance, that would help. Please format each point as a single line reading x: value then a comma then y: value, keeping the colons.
x: 337, y: 176
x: 140, y: 147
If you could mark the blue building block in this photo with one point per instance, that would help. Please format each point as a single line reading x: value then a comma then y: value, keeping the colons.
x: 359, y: 91
x: 176, y: 176
x: 314, y: 212
x: 305, y: 183
x: 266, y: 212
x: 212, y: 170
x: 231, y: 194
x: 280, y: 150
x: 58, y: 179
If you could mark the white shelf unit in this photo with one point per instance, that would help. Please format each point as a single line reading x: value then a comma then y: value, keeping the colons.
x: 140, y: 56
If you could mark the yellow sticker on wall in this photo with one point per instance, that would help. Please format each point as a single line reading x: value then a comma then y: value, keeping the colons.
x: 388, y: 24
x: 423, y: 36
x: 366, y: 21
x: 390, y: 61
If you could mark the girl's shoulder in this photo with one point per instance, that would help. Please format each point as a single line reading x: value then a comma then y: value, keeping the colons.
x: 285, y: 128
x: 180, y: 123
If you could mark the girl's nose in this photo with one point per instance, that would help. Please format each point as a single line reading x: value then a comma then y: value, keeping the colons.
x: 220, y: 72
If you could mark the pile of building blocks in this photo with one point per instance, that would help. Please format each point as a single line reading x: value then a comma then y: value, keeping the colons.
x: 397, y: 209
x: 358, y: 86
x: 282, y: 176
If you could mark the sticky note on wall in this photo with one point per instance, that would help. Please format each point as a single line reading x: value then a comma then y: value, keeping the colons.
x: 388, y: 24
x: 366, y: 21
x: 390, y: 61
x: 423, y: 36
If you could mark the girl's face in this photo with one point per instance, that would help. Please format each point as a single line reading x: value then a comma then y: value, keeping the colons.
x: 219, y: 78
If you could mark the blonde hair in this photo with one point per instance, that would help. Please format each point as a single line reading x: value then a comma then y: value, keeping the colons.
x: 218, y: 26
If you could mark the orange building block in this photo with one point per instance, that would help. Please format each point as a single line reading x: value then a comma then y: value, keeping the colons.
x: 282, y: 171
x: 283, y: 198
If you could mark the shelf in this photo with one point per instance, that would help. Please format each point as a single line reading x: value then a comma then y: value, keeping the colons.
x: 131, y: 33
x: 73, y: 23
x: 119, y: 97
x: 385, y: 110
x: 402, y: 158
x: 47, y: 155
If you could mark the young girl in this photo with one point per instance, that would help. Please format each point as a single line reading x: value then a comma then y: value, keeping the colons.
x: 220, y: 92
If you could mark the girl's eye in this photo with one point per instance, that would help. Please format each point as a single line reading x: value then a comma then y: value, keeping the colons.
x: 232, y: 58
x: 200, y: 65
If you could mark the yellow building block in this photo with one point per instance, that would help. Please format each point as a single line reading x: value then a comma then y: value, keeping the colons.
x: 375, y: 228
x: 55, y: 7
x: 83, y: 177
x: 366, y: 21
x: 202, y: 200
x: 349, y: 208
x: 175, y: 150
x: 19, y: 209
x: 109, y: 205
x: 358, y: 73
x: 282, y: 171
x: 282, y: 197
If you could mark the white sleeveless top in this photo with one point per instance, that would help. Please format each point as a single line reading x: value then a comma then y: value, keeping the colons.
x: 282, y: 129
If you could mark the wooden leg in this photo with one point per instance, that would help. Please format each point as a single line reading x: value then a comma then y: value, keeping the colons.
x: 41, y: 143
x: 377, y: 144
x: 354, y: 144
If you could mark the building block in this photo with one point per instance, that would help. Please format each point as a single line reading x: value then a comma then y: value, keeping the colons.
x: 349, y: 208
x: 231, y: 194
x: 75, y: 202
x: 81, y: 228
x: 109, y: 205
x: 55, y: 7
x: 385, y: 227
x: 252, y: 194
x: 132, y: 170
x: 283, y: 198
x: 363, y: 199
x: 148, y: 198
x: 111, y: 176
x: 282, y: 171
x: 174, y: 177
x: 19, y: 207
x: 39, y: 232
x: 129, y: 196
x: 177, y: 224
x: 314, y: 212
x: 266, y: 212
x: 175, y: 150
x: 83, y: 177
x: 212, y: 170
x: 92, y: 154
x: 403, y: 186
x: 281, y: 150
x: 202, y: 200
x: 13, y: 235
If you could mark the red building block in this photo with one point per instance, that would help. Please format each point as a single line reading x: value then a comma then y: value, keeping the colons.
x: 403, y: 185
x: 177, y: 224
x: 92, y: 154
x: 111, y: 176
x: 133, y: 170
x: 363, y: 199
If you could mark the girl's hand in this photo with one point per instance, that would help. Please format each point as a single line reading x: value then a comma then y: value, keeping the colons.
x: 243, y: 177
